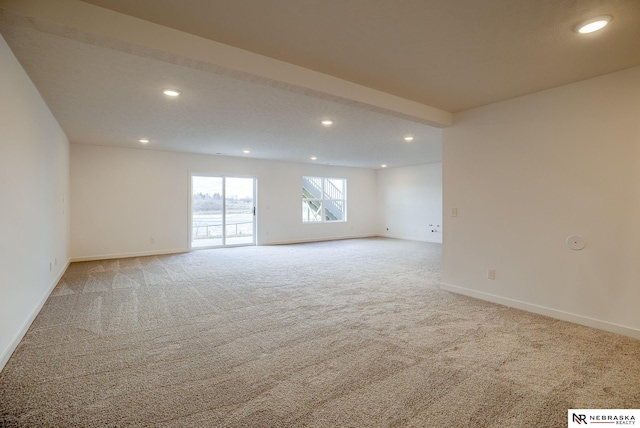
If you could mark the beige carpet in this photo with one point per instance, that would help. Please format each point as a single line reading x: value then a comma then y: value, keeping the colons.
x: 348, y: 333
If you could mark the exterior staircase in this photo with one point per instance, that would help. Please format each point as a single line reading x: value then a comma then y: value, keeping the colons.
x: 312, y: 200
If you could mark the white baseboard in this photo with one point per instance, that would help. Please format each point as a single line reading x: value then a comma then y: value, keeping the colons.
x: 264, y: 242
x: 411, y: 238
x: 323, y: 239
x: 6, y: 353
x: 543, y: 310
x: 127, y: 255
x: 186, y: 250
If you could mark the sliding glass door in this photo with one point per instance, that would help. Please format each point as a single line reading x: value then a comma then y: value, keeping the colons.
x: 222, y: 211
x: 239, y: 211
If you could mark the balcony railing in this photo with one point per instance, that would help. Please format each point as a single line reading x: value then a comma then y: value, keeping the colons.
x: 214, y: 230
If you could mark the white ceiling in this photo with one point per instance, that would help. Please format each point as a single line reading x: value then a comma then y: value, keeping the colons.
x: 104, y: 96
x: 451, y: 55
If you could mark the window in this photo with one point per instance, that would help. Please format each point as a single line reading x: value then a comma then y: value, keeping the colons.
x: 324, y: 199
x: 222, y: 211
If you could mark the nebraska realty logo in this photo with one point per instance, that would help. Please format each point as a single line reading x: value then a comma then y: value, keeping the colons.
x: 581, y: 417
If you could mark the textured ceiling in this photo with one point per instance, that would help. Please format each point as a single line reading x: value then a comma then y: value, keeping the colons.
x: 103, y: 85
x: 102, y: 95
x: 450, y: 54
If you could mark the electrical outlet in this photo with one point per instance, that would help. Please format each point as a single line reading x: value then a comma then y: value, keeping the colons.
x: 491, y: 274
x: 152, y: 240
x: 454, y: 212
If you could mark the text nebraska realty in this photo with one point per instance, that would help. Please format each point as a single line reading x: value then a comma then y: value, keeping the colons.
x: 611, y: 419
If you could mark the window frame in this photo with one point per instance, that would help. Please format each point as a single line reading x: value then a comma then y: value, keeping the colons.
x: 326, y: 199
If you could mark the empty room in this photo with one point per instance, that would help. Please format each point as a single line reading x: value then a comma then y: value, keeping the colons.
x: 282, y: 213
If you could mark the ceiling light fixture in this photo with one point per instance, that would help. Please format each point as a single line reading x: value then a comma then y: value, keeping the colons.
x: 246, y: 152
x: 593, y: 24
x: 313, y: 158
x: 327, y: 122
x: 144, y: 140
x: 171, y: 92
x: 408, y: 138
x: 383, y: 165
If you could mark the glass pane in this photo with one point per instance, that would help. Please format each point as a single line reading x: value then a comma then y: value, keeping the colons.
x: 334, y: 188
x: 311, y: 188
x: 239, y: 211
x: 311, y: 210
x: 206, y: 211
x: 334, y: 210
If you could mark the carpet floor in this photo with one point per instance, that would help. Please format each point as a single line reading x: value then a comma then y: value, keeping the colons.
x: 348, y: 333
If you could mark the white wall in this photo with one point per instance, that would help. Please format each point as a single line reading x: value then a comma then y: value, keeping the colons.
x: 526, y: 173
x: 410, y: 202
x: 34, y: 220
x: 121, y: 198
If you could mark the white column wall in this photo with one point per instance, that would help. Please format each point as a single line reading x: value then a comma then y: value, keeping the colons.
x: 525, y: 174
x: 34, y: 213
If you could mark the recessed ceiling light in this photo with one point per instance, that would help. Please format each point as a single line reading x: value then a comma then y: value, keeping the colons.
x: 327, y: 122
x: 246, y: 152
x: 593, y: 24
x: 313, y: 158
x: 144, y: 140
x: 408, y: 138
x: 171, y: 92
x: 383, y: 165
